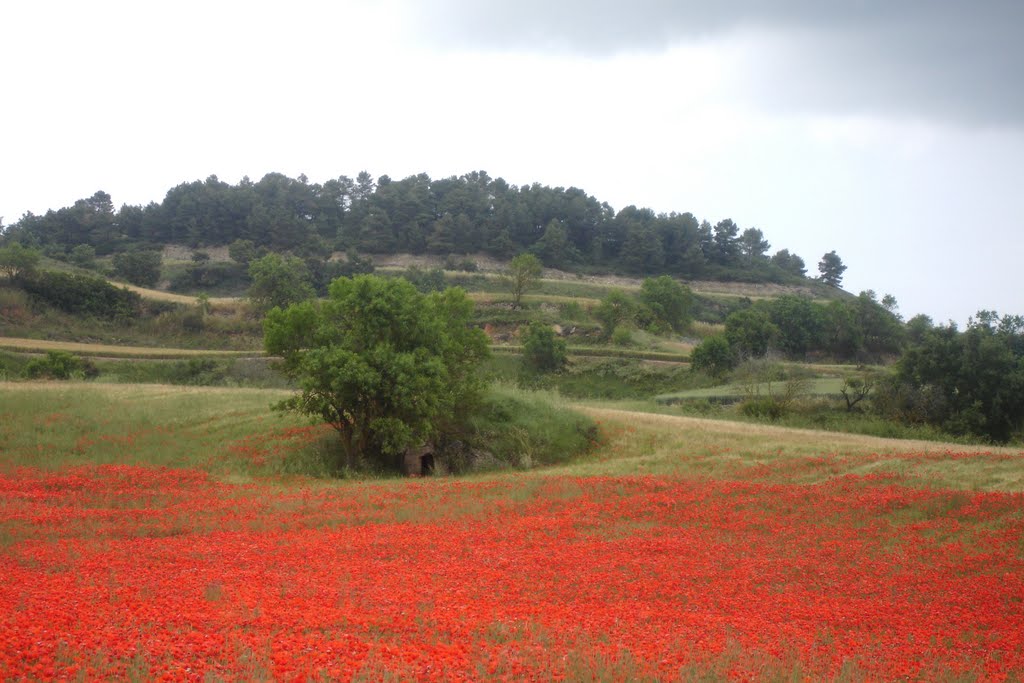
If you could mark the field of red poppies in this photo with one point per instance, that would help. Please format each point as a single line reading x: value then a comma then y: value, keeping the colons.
x: 115, y: 571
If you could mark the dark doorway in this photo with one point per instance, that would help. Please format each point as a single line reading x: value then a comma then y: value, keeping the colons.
x: 427, y: 464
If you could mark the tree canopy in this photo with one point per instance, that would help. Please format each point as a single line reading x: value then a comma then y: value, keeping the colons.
x: 471, y: 213
x: 385, y: 365
x: 523, y: 273
x: 831, y: 268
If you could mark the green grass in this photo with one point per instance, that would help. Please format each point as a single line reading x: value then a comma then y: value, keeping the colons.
x: 51, y: 424
x: 234, y: 431
x: 22, y: 345
x: 661, y: 444
x: 606, y: 352
x: 821, y: 386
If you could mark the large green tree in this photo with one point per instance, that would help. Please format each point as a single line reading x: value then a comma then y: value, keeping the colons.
x: 386, y: 366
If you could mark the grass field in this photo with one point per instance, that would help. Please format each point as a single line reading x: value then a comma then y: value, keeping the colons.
x: 112, y: 350
x: 167, y: 533
x: 821, y: 386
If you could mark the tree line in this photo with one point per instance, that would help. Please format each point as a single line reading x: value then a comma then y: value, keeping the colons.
x: 564, y: 227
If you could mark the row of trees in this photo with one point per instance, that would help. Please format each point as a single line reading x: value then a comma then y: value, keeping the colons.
x: 861, y: 328
x: 968, y: 382
x: 564, y: 228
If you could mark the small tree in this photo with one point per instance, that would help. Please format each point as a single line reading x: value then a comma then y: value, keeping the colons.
x: 750, y: 332
x: 139, y: 267
x: 713, y: 356
x: 83, y: 256
x: 831, y: 268
x: 523, y: 275
x: 386, y: 366
x: 543, y: 350
x: 615, y: 309
x: 16, y: 259
x: 856, y: 389
x: 279, y: 281
x: 668, y: 301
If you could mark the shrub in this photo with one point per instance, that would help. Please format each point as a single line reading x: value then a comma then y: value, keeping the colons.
x: 713, y: 356
x: 82, y: 294
x: 543, y: 350
x: 138, y: 267
x: 60, y: 365
x: 763, y: 407
x: 526, y: 428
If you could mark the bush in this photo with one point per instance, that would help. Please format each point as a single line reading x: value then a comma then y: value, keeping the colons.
x: 763, y: 407
x: 140, y: 268
x: 60, y: 365
x: 209, y: 275
x: 525, y: 429
x: 543, y: 351
x: 83, y: 256
x: 425, y: 281
x: 82, y: 294
x: 465, y: 265
x: 713, y: 356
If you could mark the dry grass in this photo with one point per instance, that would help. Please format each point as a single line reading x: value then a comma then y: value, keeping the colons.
x: 649, y: 443
x: 109, y: 350
x: 218, y: 302
x: 499, y: 297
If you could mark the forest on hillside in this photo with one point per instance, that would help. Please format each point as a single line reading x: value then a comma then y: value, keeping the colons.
x: 472, y: 213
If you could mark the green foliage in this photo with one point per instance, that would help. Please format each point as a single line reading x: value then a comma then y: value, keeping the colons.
x: 425, y: 280
x: 242, y: 252
x: 543, y: 350
x: 713, y: 356
x: 521, y: 428
x: 18, y: 260
x: 799, y: 324
x: 831, y: 268
x: 386, y: 366
x: 750, y: 332
x: 60, y: 365
x: 278, y: 281
x: 82, y: 294
x: 616, y: 308
x: 140, y: 268
x: 667, y: 302
x: 969, y: 382
x: 762, y: 407
x: 523, y: 273
x: 210, y: 276
x: 554, y: 248
x: 473, y: 212
x: 789, y: 263
x: 465, y: 265
x: 83, y: 256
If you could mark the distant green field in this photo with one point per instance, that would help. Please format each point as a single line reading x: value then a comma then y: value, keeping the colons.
x: 606, y: 352
x: 824, y: 386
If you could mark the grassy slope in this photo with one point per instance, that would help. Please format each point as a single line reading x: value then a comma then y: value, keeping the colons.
x: 23, y: 345
x: 234, y: 433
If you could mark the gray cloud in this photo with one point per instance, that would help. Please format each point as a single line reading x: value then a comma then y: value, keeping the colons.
x: 946, y: 60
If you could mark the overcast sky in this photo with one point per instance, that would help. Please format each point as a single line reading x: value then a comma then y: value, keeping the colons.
x: 892, y: 132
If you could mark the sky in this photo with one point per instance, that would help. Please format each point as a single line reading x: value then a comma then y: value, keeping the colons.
x: 889, y: 131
